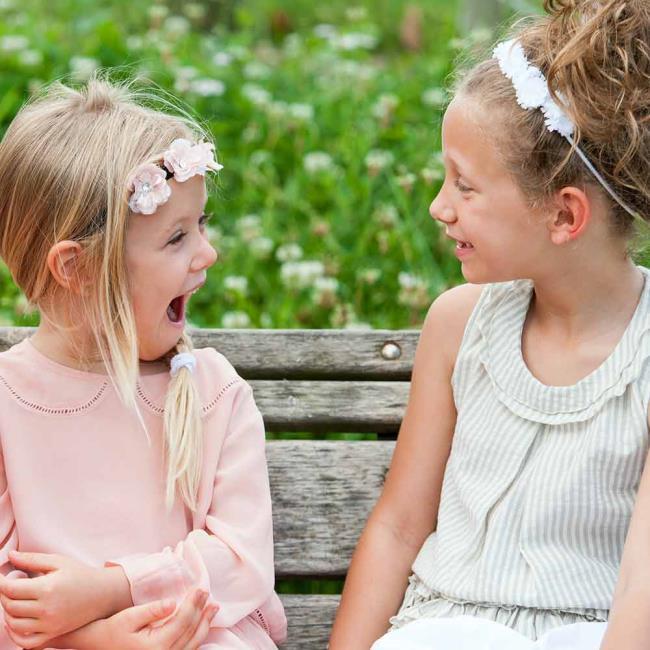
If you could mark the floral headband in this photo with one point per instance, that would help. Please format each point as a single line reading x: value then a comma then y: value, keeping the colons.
x: 182, y: 160
x: 532, y: 92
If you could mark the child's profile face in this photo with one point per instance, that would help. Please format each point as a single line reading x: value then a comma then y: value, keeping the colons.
x: 498, y: 235
x: 167, y: 255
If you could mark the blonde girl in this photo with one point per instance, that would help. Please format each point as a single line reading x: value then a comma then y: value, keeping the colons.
x: 516, y: 513
x: 134, y: 498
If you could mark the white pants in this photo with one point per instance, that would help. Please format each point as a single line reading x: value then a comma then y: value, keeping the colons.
x: 469, y: 633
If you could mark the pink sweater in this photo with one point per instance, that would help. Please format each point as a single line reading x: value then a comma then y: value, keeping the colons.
x: 79, y: 478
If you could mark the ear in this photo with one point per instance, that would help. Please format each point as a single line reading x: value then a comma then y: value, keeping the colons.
x: 63, y: 260
x: 571, y: 215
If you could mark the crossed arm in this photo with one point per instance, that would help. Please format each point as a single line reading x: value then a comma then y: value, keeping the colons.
x: 230, y: 558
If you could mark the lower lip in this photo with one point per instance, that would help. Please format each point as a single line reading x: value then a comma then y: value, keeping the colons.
x: 461, y: 253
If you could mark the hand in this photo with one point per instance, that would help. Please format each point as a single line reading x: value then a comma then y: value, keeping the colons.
x: 66, y: 595
x: 187, y: 629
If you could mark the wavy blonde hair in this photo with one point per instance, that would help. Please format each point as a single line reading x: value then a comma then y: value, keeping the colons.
x: 64, y: 164
x: 596, y: 57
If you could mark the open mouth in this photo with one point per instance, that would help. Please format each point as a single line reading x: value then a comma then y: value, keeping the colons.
x: 176, y: 309
x: 463, y: 244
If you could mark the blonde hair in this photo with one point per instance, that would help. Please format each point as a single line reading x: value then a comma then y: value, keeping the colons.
x: 64, y: 164
x: 596, y: 57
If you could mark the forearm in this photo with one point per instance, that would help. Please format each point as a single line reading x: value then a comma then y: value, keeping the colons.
x: 629, y: 623
x: 93, y: 636
x: 374, y: 587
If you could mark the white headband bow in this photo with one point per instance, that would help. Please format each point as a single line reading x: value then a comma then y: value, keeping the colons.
x: 532, y: 92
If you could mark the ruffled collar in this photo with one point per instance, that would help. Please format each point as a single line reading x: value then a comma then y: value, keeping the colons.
x: 501, y: 326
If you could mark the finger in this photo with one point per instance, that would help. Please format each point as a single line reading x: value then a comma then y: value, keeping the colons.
x: 143, y: 615
x: 203, y: 628
x: 42, y: 562
x: 29, y: 641
x: 182, y: 626
x: 20, y: 588
x: 20, y: 608
x: 23, y: 625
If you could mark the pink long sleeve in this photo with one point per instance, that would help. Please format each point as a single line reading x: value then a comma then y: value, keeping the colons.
x: 232, y: 555
x: 9, y: 542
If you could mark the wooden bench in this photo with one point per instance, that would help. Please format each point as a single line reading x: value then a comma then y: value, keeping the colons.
x: 319, y: 382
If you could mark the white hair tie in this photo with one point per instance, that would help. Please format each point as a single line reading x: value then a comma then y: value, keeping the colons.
x: 532, y: 92
x: 182, y: 360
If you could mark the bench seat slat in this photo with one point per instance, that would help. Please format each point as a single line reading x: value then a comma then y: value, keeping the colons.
x: 295, y: 354
x: 317, y: 526
x: 332, y: 406
x: 310, y: 620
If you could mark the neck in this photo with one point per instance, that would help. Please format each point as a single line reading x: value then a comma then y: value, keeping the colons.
x: 588, y: 300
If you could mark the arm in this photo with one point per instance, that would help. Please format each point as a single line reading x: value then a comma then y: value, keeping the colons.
x: 629, y: 623
x: 232, y: 557
x: 9, y: 538
x: 406, y: 512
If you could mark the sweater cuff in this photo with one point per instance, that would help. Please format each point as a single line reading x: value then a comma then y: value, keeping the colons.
x: 154, y: 577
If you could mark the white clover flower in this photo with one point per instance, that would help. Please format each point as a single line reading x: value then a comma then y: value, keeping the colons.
x: 134, y: 42
x: 289, y: 253
x: 256, y: 94
x: 369, y: 276
x: 249, y: 227
x: 356, y: 70
x: 277, y: 110
x: 356, y: 14
x: 378, y: 159
x: 13, y: 43
x: 292, y: 44
x: 406, y: 181
x: 413, y: 291
x: 303, y: 112
x: 357, y: 325
x: 222, y: 59
x: 435, y: 97
x: 300, y: 275
x: 215, y: 234
x: 317, y: 161
x: 257, y: 70
x: 385, y: 106
x: 261, y: 247
x: 157, y: 13
x: 235, y: 320
x: 82, y: 67
x: 194, y: 11
x: 325, y: 288
x: 386, y: 215
x: 266, y: 321
x: 236, y: 283
x: 260, y: 156
x: 176, y: 26
x: 5, y: 5
x: 325, y: 31
x: 207, y: 87
x: 30, y: 58
x: 430, y: 175
x: 354, y: 41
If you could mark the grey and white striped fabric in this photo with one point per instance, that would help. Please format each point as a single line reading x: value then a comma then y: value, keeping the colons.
x: 541, y: 480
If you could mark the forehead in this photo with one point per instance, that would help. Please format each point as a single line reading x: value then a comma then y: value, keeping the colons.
x: 187, y: 201
x: 468, y: 137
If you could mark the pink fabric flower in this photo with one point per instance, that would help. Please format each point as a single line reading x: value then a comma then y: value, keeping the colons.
x: 150, y: 189
x: 185, y: 159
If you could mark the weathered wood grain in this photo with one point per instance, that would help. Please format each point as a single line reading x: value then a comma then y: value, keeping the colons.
x: 310, y: 621
x: 347, y: 406
x: 295, y: 354
x: 322, y: 493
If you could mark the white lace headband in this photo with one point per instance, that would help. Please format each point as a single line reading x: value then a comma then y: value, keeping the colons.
x: 533, y: 92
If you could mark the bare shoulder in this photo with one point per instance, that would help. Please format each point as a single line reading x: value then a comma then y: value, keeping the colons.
x: 447, y: 318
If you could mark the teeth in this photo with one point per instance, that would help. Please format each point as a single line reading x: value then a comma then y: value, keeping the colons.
x: 462, y: 244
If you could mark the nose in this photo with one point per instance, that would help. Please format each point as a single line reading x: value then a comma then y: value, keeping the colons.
x: 441, y: 210
x: 205, y: 257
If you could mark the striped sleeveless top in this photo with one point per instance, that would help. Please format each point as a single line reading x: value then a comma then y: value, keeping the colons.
x: 541, y: 480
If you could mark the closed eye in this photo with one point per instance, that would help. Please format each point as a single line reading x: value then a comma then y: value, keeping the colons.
x: 461, y: 186
x: 180, y: 235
